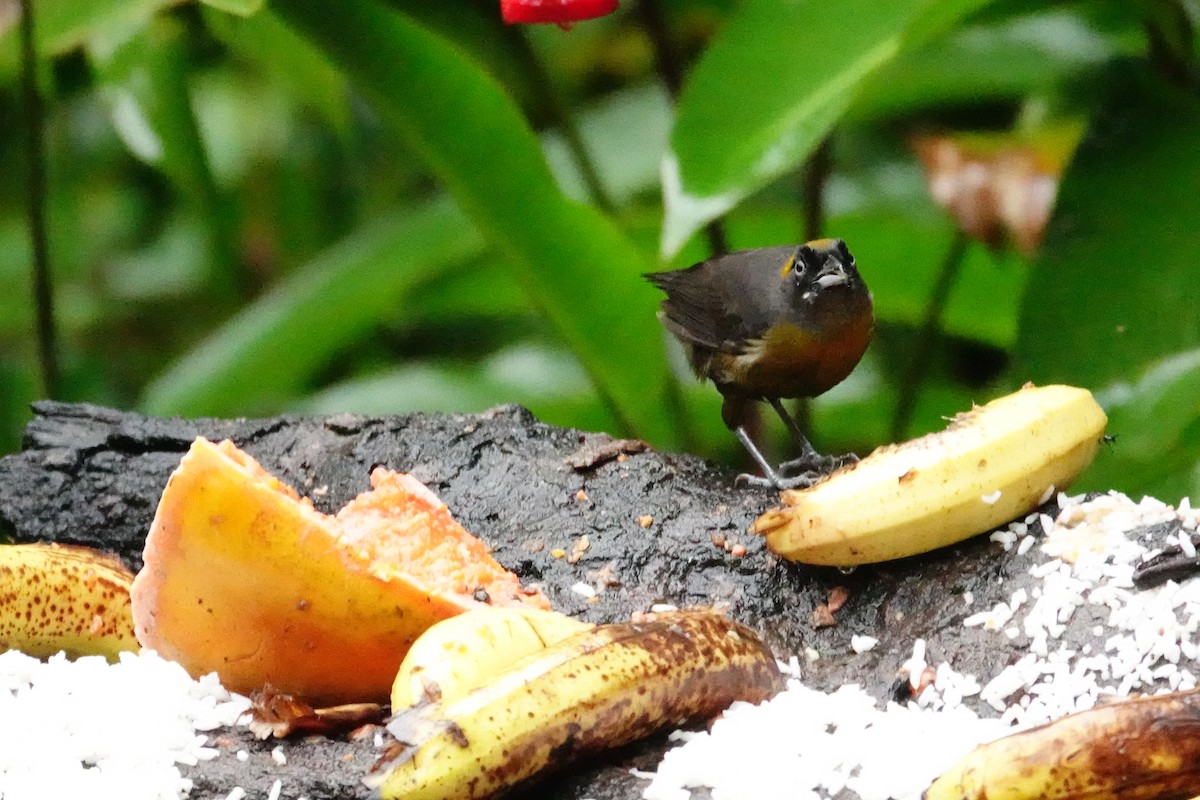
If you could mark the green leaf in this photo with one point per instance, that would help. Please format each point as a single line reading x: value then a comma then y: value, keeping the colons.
x: 62, y: 25
x: 771, y: 87
x: 625, y: 134
x: 1006, y: 59
x: 581, y: 272
x: 289, y: 60
x: 261, y: 357
x: 1114, y: 286
x: 447, y: 388
x: 172, y: 265
x: 144, y: 82
x: 208, y: 378
x: 529, y: 374
x: 242, y: 8
x: 20, y: 389
x: 1153, y: 422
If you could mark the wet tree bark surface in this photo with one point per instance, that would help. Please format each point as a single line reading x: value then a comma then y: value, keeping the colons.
x: 638, y: 527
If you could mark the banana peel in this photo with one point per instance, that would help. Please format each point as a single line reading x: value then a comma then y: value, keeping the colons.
x: 1146, y: 747
x: 598, y: 689
x: 244, y: 578
x: 57, y: 597
x: 991, y: 465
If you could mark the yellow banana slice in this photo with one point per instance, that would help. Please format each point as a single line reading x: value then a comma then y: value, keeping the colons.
x: 991, y: 465
x: 465, y: 651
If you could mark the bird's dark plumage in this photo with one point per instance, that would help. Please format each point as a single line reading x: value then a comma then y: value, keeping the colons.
x: 771, y: 323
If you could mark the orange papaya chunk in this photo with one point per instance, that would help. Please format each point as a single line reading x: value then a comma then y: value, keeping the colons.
x: 243, y: 577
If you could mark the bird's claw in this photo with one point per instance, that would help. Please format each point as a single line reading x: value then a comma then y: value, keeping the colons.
x: 800, y: 481
x: 815, y: 463
x: 799, y: 473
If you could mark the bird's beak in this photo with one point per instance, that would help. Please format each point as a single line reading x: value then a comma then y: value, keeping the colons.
x: 833, y: 273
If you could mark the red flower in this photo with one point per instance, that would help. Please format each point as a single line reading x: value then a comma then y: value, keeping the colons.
x: 554, y: 11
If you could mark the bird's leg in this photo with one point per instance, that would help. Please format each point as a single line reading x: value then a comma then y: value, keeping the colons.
x: 770, y: 476
x: 809, y: 462
x: 733, y: 412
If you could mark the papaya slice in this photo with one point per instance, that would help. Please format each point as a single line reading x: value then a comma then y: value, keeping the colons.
x: 243, y: 577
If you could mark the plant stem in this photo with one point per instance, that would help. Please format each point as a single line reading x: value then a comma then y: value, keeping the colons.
x: 548, y: 94
x: 669, y: 65
x: 927, y: 337
x: 35, y: 153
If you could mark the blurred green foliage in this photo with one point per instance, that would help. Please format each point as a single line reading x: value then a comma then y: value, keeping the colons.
x: 385, y: 207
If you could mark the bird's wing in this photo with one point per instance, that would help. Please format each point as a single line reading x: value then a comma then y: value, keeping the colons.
x: 694, y: 314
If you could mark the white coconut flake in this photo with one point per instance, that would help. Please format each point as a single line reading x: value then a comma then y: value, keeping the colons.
x: 277, y: 755
x: 791, y: 667
x: 276, y: 790
x: 827, y: 742
x: 1006, y: 538
x: 93, y: 729
x: 1186, y: 544
x: 991, y: 499
x: 994, y: 618
x: 1146, y: 634
x: 862, y: 644
x: 915, y: 665
x: 1046, y: 495
x: 583, y: 589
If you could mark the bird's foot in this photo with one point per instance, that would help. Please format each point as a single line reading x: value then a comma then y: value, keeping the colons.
x: 775, y: 480
x: 817, y: 464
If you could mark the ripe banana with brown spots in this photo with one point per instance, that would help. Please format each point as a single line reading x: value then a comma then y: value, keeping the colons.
x: 60, y: 597
x: 992, y: 464
x: 595, y: 690
x: 1134, y: 749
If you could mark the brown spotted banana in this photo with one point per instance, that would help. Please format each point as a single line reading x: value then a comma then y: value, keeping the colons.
x: 60, y: 597
x: 1133, y: 749
x: 595, y: 690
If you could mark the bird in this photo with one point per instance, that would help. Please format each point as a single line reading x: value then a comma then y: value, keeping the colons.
x: 770, y: 324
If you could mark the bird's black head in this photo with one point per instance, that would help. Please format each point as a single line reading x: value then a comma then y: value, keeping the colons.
x: 824, y: 266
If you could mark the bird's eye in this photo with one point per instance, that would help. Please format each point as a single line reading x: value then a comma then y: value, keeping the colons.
x: 806, y: 258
